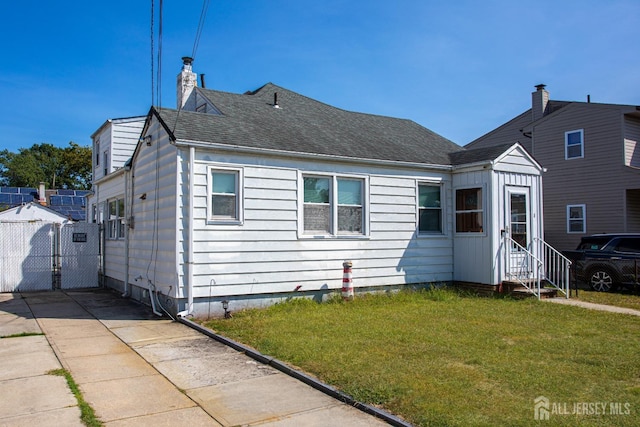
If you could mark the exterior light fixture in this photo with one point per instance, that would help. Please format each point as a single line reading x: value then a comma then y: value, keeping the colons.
x: 225, y: 306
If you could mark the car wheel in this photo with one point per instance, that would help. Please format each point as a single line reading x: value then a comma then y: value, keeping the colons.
x: 601, y: 281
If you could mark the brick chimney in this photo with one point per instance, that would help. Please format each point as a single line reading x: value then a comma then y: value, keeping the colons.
x: 42, y: 196
x: 187, y: 80
x: 539, y: 101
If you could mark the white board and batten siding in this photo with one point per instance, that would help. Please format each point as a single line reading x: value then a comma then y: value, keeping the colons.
x: 266, y: 253
x: 478, y: 257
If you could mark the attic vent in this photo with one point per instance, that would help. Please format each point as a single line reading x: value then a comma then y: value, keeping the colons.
x: 275, y: 100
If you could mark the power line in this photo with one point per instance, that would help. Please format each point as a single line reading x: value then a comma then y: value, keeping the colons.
x: 153, y: 87
x: 203, y: 15
x: 159, y: 84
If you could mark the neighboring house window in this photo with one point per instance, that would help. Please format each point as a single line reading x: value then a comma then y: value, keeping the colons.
x: 574, y: 144
x: 576, y: 219
x: 326, y: 213
x: 429, y: 209
x: 469, y: 213
x: 97, y: 151
x: 115, y: 221
x: 225, y: 195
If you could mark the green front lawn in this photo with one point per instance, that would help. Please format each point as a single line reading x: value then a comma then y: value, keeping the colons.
x: 622, y: 298
x: 443, y: 358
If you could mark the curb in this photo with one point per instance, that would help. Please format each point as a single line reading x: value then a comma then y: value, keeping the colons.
x: 301, y: 376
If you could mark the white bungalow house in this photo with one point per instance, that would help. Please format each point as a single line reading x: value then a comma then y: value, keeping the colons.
x: 256, y: 197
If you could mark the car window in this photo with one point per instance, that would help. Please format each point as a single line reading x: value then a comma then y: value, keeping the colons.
x: 593, y: 243
x: 628, y: 245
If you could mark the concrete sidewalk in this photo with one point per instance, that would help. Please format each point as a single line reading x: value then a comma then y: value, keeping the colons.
x: 136, y: 369
x: 593, y: 306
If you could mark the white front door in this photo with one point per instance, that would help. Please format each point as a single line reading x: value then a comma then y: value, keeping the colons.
x: 518, y: 227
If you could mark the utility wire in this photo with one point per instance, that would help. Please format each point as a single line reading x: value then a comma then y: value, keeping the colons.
x: 203, y: 15
x: 196, y: 42
x: 153, y: 87
x: 159, y: 84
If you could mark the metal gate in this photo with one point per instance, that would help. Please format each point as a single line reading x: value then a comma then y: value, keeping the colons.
x: 37, y: 256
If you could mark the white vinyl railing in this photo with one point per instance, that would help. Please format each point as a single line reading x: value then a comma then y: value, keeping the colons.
x: 536, y: 265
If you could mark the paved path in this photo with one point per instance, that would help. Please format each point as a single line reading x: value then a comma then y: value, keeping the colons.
x: 592, y: 306
x: 135, y: 369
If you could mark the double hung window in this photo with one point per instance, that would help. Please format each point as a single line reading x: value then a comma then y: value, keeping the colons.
x: 224, y: 195
x: 115, y: 219
x: 574, y: 144
x: 576, y: 219
x: 469, y: 211
x: 333, y: 205
x: 429, y: 209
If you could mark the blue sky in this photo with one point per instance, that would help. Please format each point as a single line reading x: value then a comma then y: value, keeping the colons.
x: 459, y: 68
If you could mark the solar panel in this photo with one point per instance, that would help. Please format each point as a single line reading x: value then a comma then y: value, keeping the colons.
x: 55, y: 200
x: 16, y: 199
x: 27, y: 198
x: 82, y: 192
x: 5, y: 198
x: 66, y: 193
x: 9, y: 189
x: 79, y: 200
x: 27, y: 190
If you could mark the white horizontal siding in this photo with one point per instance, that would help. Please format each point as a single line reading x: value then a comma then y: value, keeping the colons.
x: 265, y: 254
x: 152, y: 253
x: 125, y: 136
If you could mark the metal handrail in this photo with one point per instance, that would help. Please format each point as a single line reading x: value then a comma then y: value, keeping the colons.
x: 557, y: 266
x: 540, y: 261
x: 527, y: 270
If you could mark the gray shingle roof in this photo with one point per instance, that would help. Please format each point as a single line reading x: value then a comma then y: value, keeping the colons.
x: 304, y: 125
x: 478, y: 155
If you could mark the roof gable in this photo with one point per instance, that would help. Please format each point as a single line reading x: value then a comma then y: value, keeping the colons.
x: 32, y: 212
x: 303, y: 125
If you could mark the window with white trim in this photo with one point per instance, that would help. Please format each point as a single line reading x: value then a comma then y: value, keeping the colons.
x: 576, y: 219
x: 574, y: 144
x: 333, y: 205
x: 225, y: 198
x: 469, y: 211
x: 429, y: 209
x: 115, y: 219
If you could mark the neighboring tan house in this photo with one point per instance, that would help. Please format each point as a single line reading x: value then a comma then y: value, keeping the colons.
x: 591, y: 158
x: 257, y: 197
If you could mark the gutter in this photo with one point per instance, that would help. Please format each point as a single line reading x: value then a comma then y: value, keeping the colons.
x: 299, y: 375
x: 128, y: 210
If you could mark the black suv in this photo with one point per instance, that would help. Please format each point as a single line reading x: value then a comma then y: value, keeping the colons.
x: 606, y: 260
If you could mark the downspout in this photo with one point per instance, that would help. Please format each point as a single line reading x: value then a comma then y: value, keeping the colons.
x: 127, y: 209
x: 189, y: 260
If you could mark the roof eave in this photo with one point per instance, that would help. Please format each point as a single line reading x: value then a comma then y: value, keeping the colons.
x: 312, y: 156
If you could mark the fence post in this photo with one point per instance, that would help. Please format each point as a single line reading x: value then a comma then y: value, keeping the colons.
x: 347, y: 282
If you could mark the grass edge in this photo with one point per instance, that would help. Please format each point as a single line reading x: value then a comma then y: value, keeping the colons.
x: 87, y: 414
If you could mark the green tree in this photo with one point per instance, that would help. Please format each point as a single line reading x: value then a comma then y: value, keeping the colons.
x: 68, y: 167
